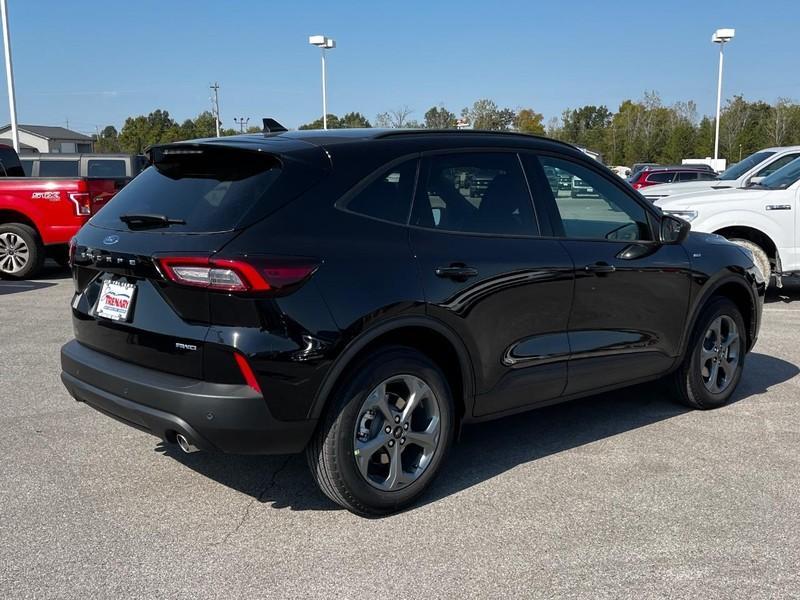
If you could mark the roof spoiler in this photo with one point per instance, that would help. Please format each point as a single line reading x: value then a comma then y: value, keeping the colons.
x: 272, y: 126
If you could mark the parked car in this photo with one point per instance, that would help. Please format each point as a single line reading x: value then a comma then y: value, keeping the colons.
x: 667, y: 174
x: 636, y: 167
x: 39, y: 215
x: 120, y: 167
x: 760, y: 218
x: 749, y: 171
x: 342, y: 293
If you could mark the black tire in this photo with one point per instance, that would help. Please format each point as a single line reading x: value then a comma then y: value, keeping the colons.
x: 331, y: 452
x: 761, y: 258
x: 25, y: 237
x: 689, y: 380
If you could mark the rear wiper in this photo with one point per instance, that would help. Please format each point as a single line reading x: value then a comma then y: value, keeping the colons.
x: 150, y: 220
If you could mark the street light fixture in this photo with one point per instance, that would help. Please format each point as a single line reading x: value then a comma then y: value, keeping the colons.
x: 323, y: 43
x: 721, y: 37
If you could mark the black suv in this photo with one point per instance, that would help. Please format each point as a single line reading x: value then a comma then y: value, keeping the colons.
x: 357, y: 295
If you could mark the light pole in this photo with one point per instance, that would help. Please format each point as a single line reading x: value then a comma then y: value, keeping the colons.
x: 12, y: 102
x: 721, y: 37
x: 323, y: 43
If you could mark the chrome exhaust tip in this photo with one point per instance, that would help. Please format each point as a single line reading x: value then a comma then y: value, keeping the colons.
x: 185, y: 445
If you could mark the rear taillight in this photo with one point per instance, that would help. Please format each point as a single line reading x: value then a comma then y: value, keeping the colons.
x: 235, y: 275
x: 73, y: 244
x: 82, y: 202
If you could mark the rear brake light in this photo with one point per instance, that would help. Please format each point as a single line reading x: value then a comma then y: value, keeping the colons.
x: 82, y: 202
x: 251, y: 275
x: 247, y: 372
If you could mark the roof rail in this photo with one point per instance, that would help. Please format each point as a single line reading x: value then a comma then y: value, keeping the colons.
x: 401, y: 132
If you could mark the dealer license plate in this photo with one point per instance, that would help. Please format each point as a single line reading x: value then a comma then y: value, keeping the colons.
x: 116, y: 300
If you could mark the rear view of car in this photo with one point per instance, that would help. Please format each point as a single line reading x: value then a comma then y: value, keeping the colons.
x: 649, y: 176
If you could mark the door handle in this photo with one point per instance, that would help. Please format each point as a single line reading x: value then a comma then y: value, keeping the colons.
x: 456, y: 272
x: 600, y: 268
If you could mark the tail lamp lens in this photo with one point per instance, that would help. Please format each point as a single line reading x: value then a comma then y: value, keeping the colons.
x: 247, y: 372
x: 252, y: 275
x: 82, y: 202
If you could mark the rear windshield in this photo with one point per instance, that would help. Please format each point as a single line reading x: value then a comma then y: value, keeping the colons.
x: 210, y: 189
x: 105, y: 168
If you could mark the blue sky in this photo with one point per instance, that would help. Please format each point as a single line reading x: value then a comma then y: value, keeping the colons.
x: 96, y: 62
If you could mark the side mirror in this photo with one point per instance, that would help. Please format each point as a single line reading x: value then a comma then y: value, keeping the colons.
x: 755, y: 180
x: 674, y: 230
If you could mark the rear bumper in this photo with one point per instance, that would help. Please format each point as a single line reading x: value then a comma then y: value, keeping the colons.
x: 212, y: 416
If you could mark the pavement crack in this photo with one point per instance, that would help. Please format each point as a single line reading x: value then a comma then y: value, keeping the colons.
x: 258, y: 498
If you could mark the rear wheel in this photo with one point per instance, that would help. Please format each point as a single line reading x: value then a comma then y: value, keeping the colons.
x: 21, y: 251
x: 385, y: 434
x: 760, y: 257
x: 713, y: 364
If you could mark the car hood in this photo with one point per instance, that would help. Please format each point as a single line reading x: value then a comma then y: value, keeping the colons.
x: 708, y: 197
x: 669, y: 189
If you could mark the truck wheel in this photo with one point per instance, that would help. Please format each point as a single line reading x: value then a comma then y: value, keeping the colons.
x: 761, y: 258
x: 385, y: 433
x: 21, y: 251
x: 712, y: 366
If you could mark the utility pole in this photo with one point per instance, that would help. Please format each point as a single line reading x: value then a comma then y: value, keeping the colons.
x: 242, y: 122
x: 215, y: 104
x: 12, y: 101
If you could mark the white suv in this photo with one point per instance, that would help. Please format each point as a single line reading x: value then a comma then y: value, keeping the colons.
x: 746, y: 172
x: 762, y: 218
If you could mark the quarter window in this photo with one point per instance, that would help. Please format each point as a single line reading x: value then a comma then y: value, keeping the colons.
x: 595, y: 208
x: 389, y: 196
x: 105, y: 168
x: 687, y: 176
x: 58, y: 168
x: 475, y: 193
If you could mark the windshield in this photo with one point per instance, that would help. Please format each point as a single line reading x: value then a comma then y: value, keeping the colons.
x: 740, y: 168
x: 783, y: 177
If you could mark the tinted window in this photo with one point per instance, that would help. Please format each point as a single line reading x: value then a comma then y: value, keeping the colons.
x: 477, y: 193
x: 661, y: 177
x: 703, y: 176
x: 783, y: 178
x: 27, y: 166
x: 596, y: 208
x: 58, y: 168
x: 739, y: 169
x: 778, y: 163
x: 388, y: 197
x: 98, y: 167
x: 687, y: 176
x: 212, y: 190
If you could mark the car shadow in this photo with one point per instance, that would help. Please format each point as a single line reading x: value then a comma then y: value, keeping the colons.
x: 485, y: 450
x: 790, y: 292
x: 50, y: 274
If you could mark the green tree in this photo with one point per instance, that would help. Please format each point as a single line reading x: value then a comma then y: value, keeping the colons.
x: 485, y: 114
x: 354, y: 120
x: 140, y: 132
x: 333, y: 123
x: 108, y: 140
x: 529, y: 121
x: 438, y: 117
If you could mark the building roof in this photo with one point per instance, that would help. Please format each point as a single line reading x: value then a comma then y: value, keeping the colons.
x: 22, y: 145
x: 50, y: 133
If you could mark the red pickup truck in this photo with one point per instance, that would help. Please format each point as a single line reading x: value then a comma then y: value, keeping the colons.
x: 39, y: 215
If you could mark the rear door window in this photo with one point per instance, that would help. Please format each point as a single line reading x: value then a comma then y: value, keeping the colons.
x: 475, y: 192
x: 212, y: 189
x: 58, y: 168
x: 687, y: 176
x: 106, y: 168
x: 388, y: 196
x: 661, y: 177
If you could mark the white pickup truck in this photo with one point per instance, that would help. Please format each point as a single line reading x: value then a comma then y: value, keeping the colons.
x: 746, y: 172
x: 762, y: 218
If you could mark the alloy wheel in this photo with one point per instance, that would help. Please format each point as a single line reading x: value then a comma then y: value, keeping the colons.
x: 14, y: 253
x: 397, y: 432
x: 720, y: 354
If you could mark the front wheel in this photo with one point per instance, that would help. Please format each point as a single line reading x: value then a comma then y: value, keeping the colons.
x: 759, y: 257
x: 714, y: 359
x: 385, y: 433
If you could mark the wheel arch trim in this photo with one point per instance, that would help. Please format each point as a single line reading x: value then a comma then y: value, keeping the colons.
x: 362, y: 340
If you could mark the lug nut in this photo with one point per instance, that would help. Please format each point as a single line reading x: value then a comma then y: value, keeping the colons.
x: 391, y: 443
x: 405, y: 425
x: 402, y: 441
x: 397, y: 419
x: 388, y: 429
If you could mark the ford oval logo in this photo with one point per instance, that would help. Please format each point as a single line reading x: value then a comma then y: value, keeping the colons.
x: 110, y: 240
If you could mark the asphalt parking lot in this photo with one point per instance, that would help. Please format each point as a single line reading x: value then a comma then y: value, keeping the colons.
x: 624, y: 495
